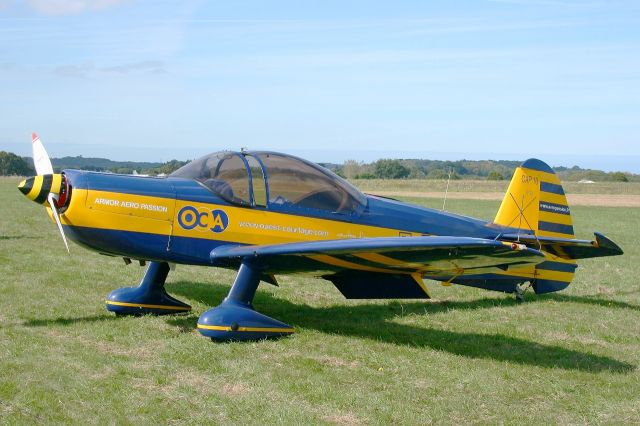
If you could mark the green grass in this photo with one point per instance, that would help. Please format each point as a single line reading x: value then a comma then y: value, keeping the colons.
x: 463, y: 185
x: 470, y: 356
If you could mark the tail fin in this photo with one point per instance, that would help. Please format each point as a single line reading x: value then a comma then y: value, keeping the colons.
x: 535, y: 201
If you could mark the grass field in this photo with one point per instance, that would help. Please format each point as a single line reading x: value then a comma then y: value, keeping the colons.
x: 464, y: 185
x: 469, y: 356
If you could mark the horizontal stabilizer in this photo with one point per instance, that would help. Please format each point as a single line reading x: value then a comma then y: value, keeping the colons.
x: 567, y: 248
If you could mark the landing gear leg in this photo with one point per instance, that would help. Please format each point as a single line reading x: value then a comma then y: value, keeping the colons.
x: 149, y: 297
x: 235, y: 318
x: 519, y: 293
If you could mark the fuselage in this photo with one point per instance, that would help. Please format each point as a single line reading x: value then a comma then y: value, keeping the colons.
x: 180, y: 220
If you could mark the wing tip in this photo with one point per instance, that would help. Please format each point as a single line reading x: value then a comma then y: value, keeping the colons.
x: 34, y: 137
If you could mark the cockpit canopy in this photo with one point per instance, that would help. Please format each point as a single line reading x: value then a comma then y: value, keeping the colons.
x: 275, y: 180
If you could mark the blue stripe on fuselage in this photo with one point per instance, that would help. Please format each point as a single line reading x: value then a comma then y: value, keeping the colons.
x: 127, y: 184
x: 188, y: 189
x: 399, y: 215
x: 141, y: 245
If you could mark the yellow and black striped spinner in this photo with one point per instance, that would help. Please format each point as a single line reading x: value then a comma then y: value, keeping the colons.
x: 38, y: 188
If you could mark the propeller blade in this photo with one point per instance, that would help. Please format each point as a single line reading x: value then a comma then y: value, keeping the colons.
x: 52, y: 202
x: 41, y: 160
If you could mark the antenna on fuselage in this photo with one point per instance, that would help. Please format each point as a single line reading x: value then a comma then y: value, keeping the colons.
x: 444, y: 202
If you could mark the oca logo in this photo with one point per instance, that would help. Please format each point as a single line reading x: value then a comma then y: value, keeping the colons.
x: 203, y: 219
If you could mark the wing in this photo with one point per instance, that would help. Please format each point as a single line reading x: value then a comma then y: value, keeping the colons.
x: 383, y: 266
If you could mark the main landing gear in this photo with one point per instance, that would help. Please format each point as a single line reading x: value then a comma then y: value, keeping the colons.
x: 149, y: 297
x: 233, y: 319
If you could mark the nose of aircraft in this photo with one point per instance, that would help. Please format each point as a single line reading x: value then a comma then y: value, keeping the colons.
x: 26, y: 185
x: 38, y: 188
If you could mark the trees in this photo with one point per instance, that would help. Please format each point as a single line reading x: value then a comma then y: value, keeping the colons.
x: 11, y: 164
x: 495, y: 175
x: 443, y: 174
x: 619, y: 177
x: 167, y: 168
x: 351, y: 169
x: 390, y: 169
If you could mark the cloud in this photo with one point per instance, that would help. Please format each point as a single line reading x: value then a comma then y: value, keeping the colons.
x: 89, y: 69
x: 71, y: 7
x: 75, y: 71
x: 155, y: 67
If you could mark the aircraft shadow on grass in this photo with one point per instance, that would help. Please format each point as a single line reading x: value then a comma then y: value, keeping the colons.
x: 67, y: 320
x: 593, y: 300
x: 17, y: 237
x: 372, y: 321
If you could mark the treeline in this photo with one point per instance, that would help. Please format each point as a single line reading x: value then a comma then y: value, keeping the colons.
x: 12, y: 164
x: 462, y: 169
x: 124, y: 167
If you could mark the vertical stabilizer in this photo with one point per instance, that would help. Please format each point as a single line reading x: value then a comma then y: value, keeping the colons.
x: 535, y: 202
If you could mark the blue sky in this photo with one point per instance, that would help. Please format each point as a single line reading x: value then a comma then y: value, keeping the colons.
x: 328, y: 80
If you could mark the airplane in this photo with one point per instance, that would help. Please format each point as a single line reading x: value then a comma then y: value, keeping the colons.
x: 266, y: 214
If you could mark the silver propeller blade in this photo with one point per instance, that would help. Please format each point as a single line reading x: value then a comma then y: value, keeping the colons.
x: 41, y: 160
x: 52, y: 202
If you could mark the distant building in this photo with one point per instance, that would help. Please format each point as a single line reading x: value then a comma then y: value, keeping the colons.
x: 585, y: 181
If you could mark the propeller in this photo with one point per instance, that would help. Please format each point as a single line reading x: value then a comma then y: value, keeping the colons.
x: 52, y: 202
x: 46, y: 187
x: 41, y: 160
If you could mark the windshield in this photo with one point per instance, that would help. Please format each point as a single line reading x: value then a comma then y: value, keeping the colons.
x: 224, y: 173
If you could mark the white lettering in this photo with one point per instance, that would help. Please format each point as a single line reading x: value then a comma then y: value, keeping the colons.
x: 107, y: 202
x: 131, y: 205
x: 280, y: 228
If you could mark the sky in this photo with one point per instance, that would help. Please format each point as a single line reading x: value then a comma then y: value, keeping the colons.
x: 327, y: 80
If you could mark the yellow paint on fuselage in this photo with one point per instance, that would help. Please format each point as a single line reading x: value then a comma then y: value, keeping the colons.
x: 124, y: 212
x: 83, y: 211
x: 262, y: 227
x: 131, y: 205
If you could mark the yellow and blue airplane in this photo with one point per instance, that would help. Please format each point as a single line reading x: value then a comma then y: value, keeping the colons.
x: 267, y: 213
